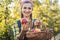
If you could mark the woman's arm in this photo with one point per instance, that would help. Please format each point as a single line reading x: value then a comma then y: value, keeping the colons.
x: 21, y: 36
x: 23, y: 31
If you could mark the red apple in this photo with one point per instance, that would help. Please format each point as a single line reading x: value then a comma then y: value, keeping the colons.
x: 24, y: 21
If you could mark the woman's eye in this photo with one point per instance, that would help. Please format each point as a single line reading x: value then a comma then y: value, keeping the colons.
x: 29, y: 8
x: 24, y: 7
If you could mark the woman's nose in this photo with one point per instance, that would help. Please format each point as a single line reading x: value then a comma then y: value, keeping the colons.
x: 27, y: 10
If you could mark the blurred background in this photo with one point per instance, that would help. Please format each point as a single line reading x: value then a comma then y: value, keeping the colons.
x: 46, y: 10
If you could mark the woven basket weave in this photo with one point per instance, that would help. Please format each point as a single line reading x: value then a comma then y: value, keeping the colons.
x: 43, y: 35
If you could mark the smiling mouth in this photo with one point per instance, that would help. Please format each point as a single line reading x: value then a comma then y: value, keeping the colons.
x: 26, y: 13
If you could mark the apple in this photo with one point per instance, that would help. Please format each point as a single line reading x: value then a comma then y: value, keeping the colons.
x: 24, y: 21
x: 32, y: 30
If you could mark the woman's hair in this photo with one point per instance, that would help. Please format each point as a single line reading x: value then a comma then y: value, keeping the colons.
x: 26, y: 1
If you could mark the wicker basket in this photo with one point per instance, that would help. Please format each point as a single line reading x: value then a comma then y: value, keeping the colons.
x: 43, y: 35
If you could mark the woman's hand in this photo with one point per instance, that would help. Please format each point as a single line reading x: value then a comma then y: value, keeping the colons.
x: 24, y: 23
x: 25, y: 27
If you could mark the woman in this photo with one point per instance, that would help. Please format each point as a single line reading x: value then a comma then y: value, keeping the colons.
x: 26, y: 12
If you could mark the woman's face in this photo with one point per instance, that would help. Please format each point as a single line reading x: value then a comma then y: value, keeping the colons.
x: 27, y: 9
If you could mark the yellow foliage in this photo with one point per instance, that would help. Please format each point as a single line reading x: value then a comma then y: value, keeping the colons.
x: 17, y: 16
x: 45, y: 23
x: 44, y: 18
x: 2, y: 26
x: 56, y: 29
x: 1, y: 8
x: 40, y: 7
x: 11, y: 21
